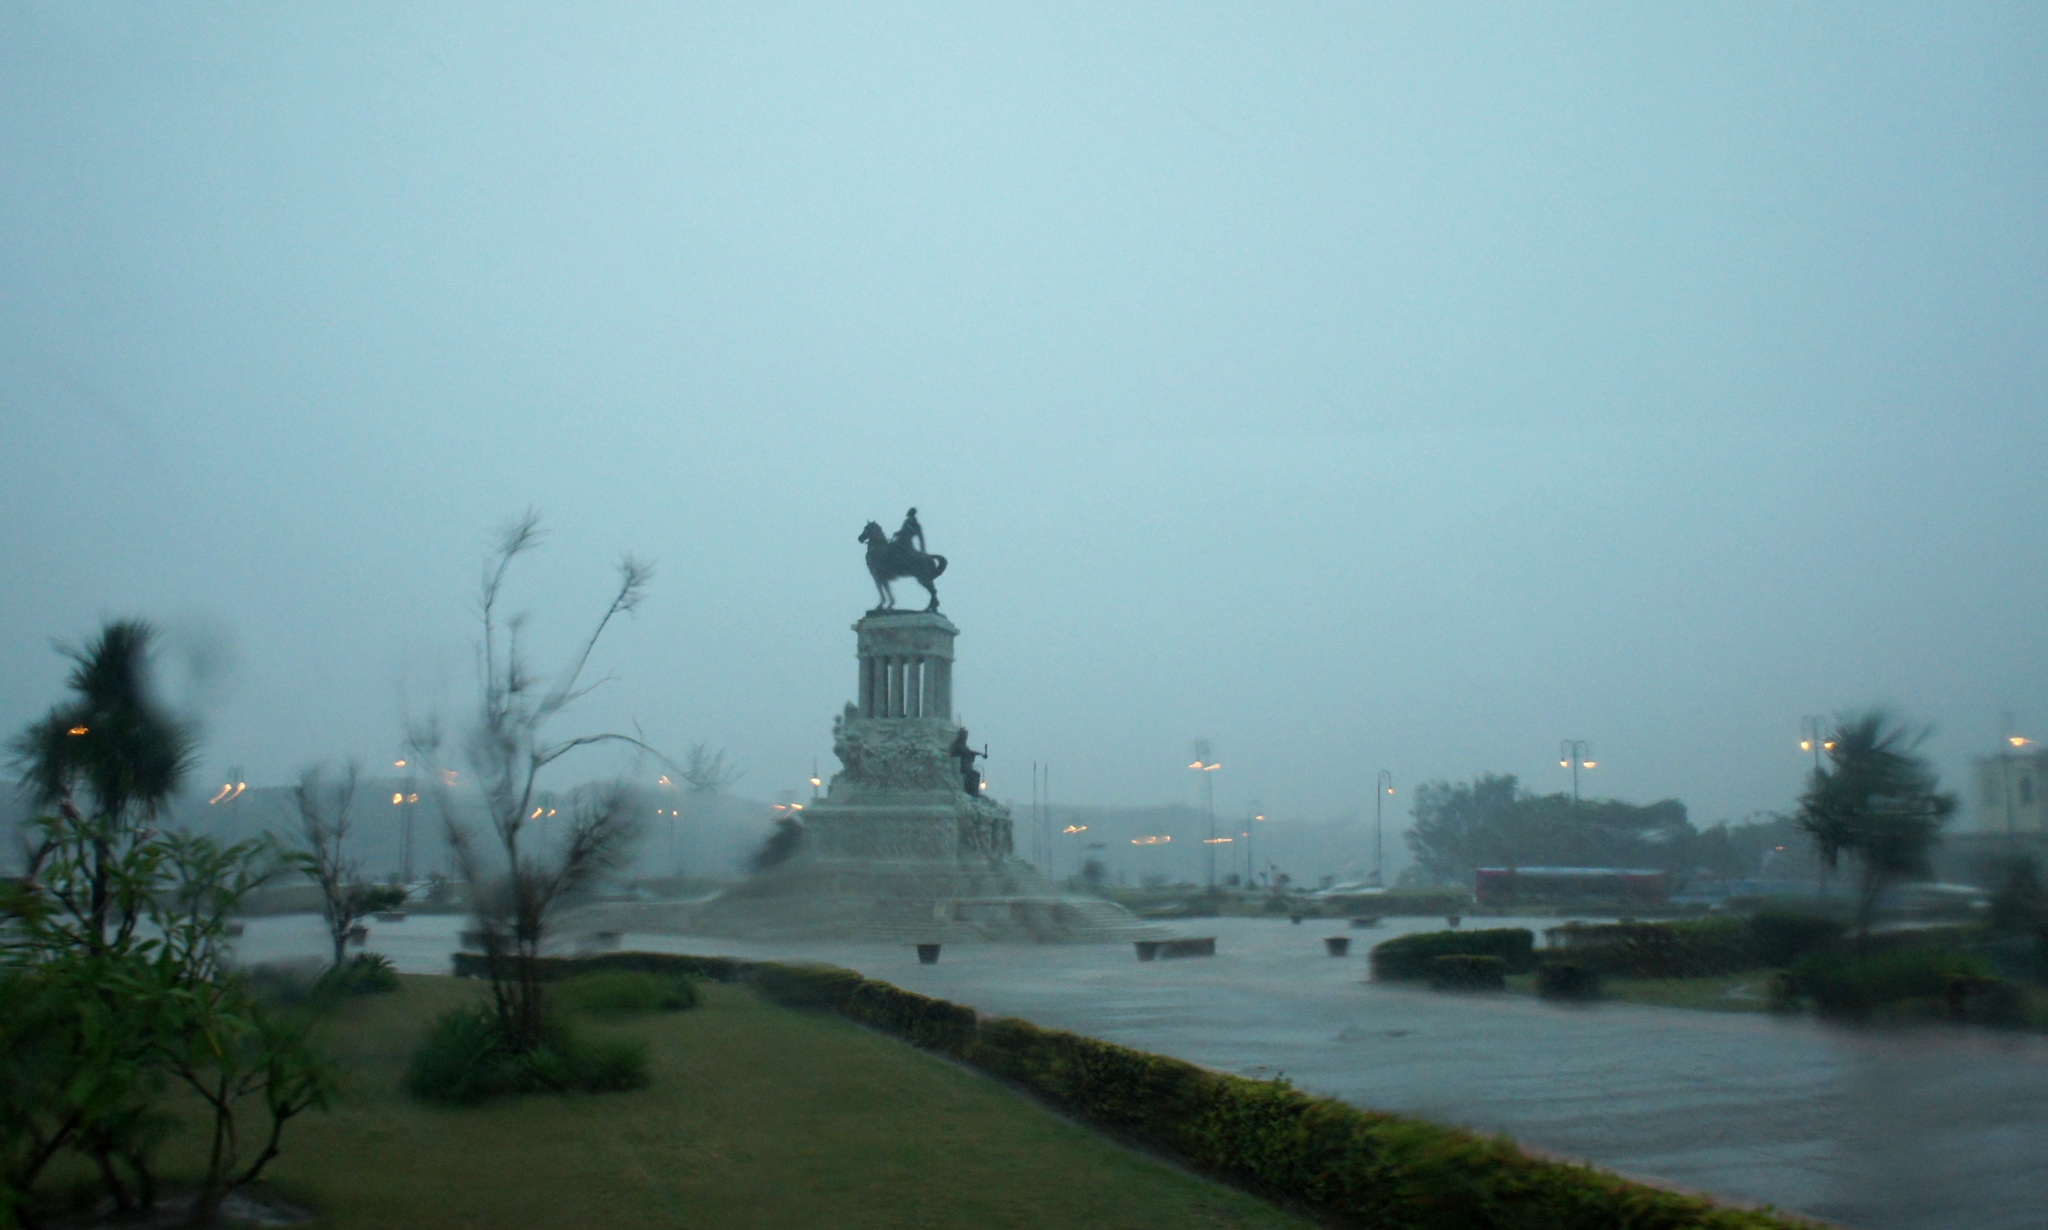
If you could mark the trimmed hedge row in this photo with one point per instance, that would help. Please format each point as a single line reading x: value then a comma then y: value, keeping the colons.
x: 1957, y: 985
x: 1700, y: 948
x: 1347, y: 1166
x: 1410, y: 956
x: 1462, y: 972
x: 1692, y: 949
x: 555, y: 969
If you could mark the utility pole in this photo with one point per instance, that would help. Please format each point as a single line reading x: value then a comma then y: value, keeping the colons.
x: 1381, y: 788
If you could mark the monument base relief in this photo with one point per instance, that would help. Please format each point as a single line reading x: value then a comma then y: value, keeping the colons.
x: 905, y: 845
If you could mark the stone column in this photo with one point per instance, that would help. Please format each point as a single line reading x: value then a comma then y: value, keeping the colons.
x: 906, y: 665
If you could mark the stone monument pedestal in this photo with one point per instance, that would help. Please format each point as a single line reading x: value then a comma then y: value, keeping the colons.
x: 898, y: 849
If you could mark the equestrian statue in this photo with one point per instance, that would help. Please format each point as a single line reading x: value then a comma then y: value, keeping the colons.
x: 901, y: 556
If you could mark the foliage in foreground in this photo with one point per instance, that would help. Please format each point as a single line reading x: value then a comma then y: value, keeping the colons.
x: 465, y: 1059
x: 113, y: 973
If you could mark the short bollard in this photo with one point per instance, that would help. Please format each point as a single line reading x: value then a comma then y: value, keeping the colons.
x: 1339, y: 945
x: 1148, y: 950
x: 927, y: 954
x: 1452, y: 920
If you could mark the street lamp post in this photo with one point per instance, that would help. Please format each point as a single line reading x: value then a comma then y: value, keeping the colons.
x: 1382, y: 787
x: 1813, y: 737
x: 1205, y: 767
x: 1576, y: 754
x: 2013, y: 743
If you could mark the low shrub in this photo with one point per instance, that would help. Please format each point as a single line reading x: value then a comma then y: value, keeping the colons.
x: 366, y: 973
x: 287, y: 984
x: 1465, y: 972
x: 1691, y: 949
x: 460, y: 1061
x: 1408, y: 957
x: 463, y: 1060
x: 557, y: 969
x: 934, y: 1024
x: 1567, y: 980
x: 806, y: 986
x: 1779, y: 936
x: 1955, y: 984
x: 622, y: 992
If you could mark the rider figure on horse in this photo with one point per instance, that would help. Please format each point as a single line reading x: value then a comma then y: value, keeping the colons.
x: 911, y: 536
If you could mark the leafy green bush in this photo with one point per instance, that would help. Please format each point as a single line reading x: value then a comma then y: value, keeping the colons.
x: 1779, y: 936
x: 806, y: 986
x: 1567, y: 980
x: 366, y: 973
x: 1852, y: 987
x: 1466, y: 972
x: 1409, y: 956
x: 1689, y: 949
x: 621, y: 992
x: 557, y: 969
x: 934, y: 1024
x: 463, y: 1060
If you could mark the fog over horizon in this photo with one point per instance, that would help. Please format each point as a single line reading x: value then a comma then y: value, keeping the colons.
x: 1409, y: 388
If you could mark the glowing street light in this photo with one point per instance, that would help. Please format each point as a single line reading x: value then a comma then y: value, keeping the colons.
x: 1575, y: 754
x: 1814, y: 737
x: 1203, y: 765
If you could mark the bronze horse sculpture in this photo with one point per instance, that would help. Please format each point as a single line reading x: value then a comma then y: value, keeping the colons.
x: 889, y: 559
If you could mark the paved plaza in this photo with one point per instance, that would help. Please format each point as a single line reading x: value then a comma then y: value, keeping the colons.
x: 1884, y: 1130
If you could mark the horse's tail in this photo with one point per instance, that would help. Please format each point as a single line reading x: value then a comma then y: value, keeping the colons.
x: 939, y: 566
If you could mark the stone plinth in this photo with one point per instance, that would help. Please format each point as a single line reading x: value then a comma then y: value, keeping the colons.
x: 898, y: 849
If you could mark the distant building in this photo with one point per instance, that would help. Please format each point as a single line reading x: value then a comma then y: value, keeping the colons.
x: 2012, y: 794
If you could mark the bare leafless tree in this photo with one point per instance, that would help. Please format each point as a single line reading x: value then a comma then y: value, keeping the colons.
x: 346, y: 895
x: 517, y: 878
x: 707, y: 770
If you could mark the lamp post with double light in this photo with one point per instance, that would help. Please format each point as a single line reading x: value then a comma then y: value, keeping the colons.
x: 1206, y: 767
x: 1382, y: 787
x: 1814, y: 737
x: 1576, y: 754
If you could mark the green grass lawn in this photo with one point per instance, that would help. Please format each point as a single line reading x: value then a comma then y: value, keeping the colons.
x: 758, y: 1116
x: 1744, y: 992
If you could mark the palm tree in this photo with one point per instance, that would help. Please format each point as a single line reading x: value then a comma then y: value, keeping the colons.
x: 107, y: 759
x: 1875, y: 800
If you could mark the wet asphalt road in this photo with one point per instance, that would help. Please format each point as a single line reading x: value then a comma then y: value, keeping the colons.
x: 1885, y: 1130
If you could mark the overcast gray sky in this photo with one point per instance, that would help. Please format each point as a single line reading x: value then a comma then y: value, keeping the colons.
x: 1360, y: 387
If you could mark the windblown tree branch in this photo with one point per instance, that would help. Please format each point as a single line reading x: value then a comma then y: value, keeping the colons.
x: 520, y: 878
x: 1876, y: 801
x: 346, y: 895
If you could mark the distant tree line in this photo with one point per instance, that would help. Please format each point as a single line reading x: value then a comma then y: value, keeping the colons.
x: 1492, y: 821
